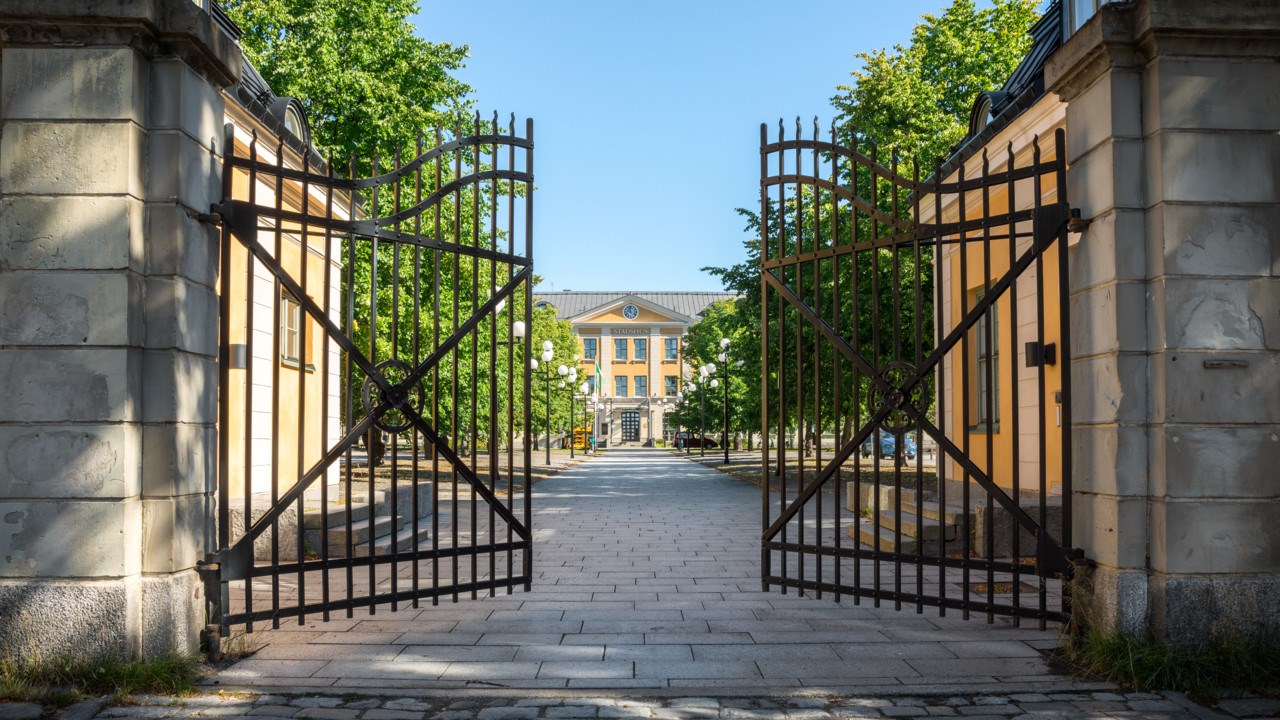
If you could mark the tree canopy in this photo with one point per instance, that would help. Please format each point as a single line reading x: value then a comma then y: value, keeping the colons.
x: 915, y: 99
x: 912, y: 101
x: 366, y: 80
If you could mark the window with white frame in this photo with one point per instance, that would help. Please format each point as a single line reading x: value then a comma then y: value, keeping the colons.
x: 619, y: 348
x: 589, y: 348
x: 671, y: 349
x: 642, y: 349
x: 290, y: 328
x: 642, y: 386
x: 987, y: 351
x: 620, y: 386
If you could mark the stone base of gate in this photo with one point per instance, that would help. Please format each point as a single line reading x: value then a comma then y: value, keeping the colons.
x: 140, y: 616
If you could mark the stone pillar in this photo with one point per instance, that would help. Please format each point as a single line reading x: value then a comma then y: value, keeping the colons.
x: 1172, y: 123
x: 110, y: 117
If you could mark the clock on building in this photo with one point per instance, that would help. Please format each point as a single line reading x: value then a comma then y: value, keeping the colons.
x: 630, y: 312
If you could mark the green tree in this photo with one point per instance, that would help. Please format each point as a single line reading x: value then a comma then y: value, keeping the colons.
x: 914, y: 102
x: 376, y: 96
x: 368, y: 83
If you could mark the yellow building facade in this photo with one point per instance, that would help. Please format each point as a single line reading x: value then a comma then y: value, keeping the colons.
x: 631, y: 353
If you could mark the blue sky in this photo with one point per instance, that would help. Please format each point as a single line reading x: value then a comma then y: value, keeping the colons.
x: 647, y: 116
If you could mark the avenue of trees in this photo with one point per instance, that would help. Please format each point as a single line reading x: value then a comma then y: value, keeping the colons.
x: 376, y: 96
x: 911, y: 104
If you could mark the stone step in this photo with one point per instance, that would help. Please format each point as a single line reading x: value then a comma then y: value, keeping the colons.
x: 403, y: 541
x: 336, y: 512
x: 377, y: 527
x: 952, y: 514
x: 866, y: 533
x: 912, y: 525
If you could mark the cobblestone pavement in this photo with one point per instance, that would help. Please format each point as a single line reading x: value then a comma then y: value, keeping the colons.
x: 647, y: 576
x: 795, y: 707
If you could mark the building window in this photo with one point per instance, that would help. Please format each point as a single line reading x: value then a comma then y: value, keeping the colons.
x: 670, y: 385
x: 591, y: 384
x: 642, y: 386
x: 620, y: 386
x: 1078, y: 13
x: 642, y: 349
x: 619, y: 349
x: 988, y: 367
x: 672, y: 349
x: 290, y: 329
x: 589, y: 348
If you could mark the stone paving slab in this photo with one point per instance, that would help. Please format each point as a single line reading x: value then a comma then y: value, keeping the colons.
x: 645, y: 699
x: 646, y: 576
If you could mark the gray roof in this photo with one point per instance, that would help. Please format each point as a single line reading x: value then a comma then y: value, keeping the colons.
x: 571, y: 304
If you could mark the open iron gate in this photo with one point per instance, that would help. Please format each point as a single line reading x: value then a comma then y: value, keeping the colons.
x: 900, y: 316
x: 371, y: 389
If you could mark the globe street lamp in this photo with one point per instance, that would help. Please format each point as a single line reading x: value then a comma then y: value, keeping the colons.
x: 679, y: 425
x: 691, y: 387
x: 548, y: 352
x: 723, y: 357
x: 570, y: 376
x: 704, y: 372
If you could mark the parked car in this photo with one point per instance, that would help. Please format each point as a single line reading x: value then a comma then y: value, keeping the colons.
x: 888, y: 445
x: 688, y: 440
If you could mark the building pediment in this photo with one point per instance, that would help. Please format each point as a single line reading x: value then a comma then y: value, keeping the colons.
x: 646, y: 312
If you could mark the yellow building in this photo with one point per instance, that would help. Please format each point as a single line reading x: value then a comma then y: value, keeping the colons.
x: 289, y: 362
x: 1012, y: 127
x: 636, y: 341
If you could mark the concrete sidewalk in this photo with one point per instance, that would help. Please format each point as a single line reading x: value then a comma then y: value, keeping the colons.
x: 647, y: 577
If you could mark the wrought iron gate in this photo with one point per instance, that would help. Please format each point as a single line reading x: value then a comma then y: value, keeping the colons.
x: 373, y: 376
x: 902, y: 318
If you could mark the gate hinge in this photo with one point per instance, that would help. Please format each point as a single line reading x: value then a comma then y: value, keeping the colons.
x: 1075, y: 223
x: 239, y: 216
x: 234, y: 562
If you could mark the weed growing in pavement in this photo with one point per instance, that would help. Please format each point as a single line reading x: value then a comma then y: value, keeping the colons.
x: 1224, y: 666
x: 64, y: 679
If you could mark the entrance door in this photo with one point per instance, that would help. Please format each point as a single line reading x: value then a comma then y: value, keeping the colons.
x: 630, y: 426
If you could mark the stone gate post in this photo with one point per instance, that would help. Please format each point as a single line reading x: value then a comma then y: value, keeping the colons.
x: 1172, y: 121
x: 110, y: 144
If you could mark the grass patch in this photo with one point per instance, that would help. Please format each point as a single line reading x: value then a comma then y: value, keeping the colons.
x: 1223, y: 666
x: 64, y: 680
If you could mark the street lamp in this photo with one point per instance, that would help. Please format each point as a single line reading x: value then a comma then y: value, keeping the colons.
x: 548, y: 352
x: 586, y: 402
x: 570, y: 376
x: 679, y: 425
x: 724, y: 435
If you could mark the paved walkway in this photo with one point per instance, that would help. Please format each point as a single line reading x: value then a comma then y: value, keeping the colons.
x: 647, y: 578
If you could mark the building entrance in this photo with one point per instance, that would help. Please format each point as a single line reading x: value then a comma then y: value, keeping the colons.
x: 630, y: 426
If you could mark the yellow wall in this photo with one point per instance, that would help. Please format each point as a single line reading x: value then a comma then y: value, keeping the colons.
x: 1009, y: 342
x: 299, y: 392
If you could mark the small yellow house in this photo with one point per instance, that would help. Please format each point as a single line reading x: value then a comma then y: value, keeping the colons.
x: 990, y: 370
x: 291, y: 370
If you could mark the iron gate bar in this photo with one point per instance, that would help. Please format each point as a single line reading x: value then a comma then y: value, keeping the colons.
x: 234, y: 561
x: 1049, y: 226
x: 232, y: 558
x: 958, y: 454
x: 403, y: 171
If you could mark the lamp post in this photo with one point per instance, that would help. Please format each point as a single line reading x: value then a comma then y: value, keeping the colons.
x: 586, y: 403
x: 724, y: 359
x: 704, y: 372
x: 570, y: 376
x: 548, y: 352
x: 679, y: 426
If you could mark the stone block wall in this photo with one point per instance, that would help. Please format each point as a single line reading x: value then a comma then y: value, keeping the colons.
x: 1173, y: 139
x: 109, y: 153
